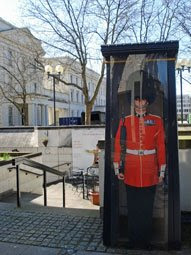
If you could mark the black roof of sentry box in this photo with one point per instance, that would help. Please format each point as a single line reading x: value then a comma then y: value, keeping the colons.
x: 139, y: 48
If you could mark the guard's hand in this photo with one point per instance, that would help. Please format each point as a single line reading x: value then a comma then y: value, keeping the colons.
x: 161, y: 178
x: 120, y: 176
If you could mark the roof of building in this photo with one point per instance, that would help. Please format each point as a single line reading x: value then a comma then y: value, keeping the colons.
x: 5, y: 26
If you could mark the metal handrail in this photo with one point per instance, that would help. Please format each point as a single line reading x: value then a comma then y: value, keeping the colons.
x: 7, y: 162
x: 25, y: 161
x: 62, y: 164
x: 25, y: 171
x: 34, y: 164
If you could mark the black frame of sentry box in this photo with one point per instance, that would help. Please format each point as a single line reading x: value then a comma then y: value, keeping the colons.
x: 111, y: 192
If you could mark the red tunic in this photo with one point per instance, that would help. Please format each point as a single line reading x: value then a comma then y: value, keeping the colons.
x: 142, y: 133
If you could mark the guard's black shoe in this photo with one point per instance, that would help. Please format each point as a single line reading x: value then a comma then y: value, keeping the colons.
x: 129, y: 245
x: 143, y: 246
x: 147, y: 247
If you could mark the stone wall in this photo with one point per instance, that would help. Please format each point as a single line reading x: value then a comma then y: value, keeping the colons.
x: 29, y: 182
x: 56, y: 153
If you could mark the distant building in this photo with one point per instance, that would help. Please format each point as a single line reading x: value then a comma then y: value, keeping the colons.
x: 20, y: 78
x: 186, y: 106
x: 20, y: 75
x: 75, y: 102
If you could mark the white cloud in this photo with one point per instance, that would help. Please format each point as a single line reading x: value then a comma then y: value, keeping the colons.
x: 9, y: 11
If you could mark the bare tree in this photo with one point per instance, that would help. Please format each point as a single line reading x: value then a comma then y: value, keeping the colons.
x: 78, y: 29
x: 155, y: 21
x: 19, y: 70
x: 184, y: 20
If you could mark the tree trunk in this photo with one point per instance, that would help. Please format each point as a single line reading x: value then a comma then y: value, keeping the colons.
x: 25, y: 115
x: 89, y: 107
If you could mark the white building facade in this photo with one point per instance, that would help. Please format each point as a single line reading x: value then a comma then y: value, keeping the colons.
x: 20, y: 81
x: 74, y: 97
x: 186, y: 102
x: 25, y: 89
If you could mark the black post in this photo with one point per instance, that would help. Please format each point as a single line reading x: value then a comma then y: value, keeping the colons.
x: 44, y: 186
x: 54, y: 98
x: 107, y: 217
x: 18, y: 187
x: 87, y: 183
x: 63, y: 180
x: 83, y: 187
x: 181, y: 96
x: 174, y: 213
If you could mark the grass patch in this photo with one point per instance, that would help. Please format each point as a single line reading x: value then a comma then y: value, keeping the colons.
x: 5, y: 156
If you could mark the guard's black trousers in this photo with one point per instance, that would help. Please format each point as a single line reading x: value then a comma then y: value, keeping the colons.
x: 140, y: 210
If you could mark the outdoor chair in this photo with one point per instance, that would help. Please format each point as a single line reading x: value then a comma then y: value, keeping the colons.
x: 76, y: 179
x: 91, y: 179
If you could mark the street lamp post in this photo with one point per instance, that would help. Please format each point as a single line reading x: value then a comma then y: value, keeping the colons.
x: 181, y: 66
x: 181, y: 96
x: 56, y: 76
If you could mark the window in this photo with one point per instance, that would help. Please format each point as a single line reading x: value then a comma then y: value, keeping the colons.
x: 9, y: 57
x: 10, y: 115
x: 35, y: 87
x: 39, y: 115
x: 77, y: 96
x: 71, y: 78
x: 35, y: 67
x: 72, y: 95
x: 76, y: 80
x: 82, y: 97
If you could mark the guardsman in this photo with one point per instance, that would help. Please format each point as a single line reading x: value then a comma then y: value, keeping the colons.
x: 144, y: 164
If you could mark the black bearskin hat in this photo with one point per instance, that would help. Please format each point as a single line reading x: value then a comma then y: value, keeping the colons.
x: 141, y: 84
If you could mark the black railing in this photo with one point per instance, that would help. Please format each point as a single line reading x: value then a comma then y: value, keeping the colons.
x: 28, y: 162
x: 62, y: 164
x: 19, y: 155
x: 25, y: 171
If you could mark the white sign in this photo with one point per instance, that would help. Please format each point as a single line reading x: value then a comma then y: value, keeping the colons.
x: 84, y: 143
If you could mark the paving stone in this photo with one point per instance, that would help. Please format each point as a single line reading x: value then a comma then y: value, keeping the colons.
x: 91, y: 248
x: 72, y: 235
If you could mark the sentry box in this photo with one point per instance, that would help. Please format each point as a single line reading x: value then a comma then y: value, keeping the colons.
x: 141, y: 197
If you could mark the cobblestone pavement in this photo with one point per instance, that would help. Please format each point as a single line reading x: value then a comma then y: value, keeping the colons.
x: 72, y: 234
